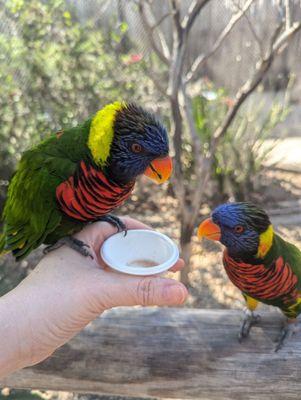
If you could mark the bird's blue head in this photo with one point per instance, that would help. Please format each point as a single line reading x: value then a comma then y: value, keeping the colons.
x: 139, y: 146
x: 243, y: 228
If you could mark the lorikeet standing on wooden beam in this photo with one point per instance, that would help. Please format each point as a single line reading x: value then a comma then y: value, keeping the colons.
x: 80, y: 175
x: 259, y: 262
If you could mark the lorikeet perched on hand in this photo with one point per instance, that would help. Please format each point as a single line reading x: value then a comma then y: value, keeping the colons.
x: 260, y: 263
x: 80, y: 175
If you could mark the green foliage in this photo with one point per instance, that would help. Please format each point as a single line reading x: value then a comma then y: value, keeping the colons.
x: 241, y: 155
x: 54, y: 72
x: 20, y: 395
x: 208, y: 111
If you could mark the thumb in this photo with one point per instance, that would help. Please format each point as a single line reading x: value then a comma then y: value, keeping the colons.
x: 145, y: 291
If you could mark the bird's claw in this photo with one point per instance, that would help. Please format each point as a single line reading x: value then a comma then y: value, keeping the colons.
x: 289, y: 329
x: 73, y: 243
x: 250, y: 319
x: 78, y: 242
x: 120, y: 225
x: 115, y: 221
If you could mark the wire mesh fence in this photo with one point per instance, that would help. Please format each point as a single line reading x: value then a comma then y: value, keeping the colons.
x: 236, y: 56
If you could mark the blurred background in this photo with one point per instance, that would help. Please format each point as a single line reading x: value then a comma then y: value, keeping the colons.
x: 223, y: 75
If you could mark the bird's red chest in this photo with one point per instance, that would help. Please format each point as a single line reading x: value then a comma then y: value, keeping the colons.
x: 88, y: 194
x: 277, y: 281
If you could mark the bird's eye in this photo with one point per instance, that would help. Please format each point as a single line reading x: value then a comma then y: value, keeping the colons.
x: 136, y: 148
x: 239, y: 229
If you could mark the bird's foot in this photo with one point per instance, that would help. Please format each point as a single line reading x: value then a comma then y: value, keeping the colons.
x: 115, y: 221
x: 290, y: 328
x: 249, y: 320
x: 71, y: 242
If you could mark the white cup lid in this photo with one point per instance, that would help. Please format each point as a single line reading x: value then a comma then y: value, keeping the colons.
x: 140, y: 252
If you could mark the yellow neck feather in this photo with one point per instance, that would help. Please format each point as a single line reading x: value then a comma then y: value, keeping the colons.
x: 265, y: 242
x: 102, y: 132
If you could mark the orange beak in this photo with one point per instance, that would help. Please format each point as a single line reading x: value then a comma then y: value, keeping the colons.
x: 159, y: 170
x: 209, y: 230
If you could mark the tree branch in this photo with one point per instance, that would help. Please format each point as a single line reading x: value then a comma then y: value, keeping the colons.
x: 179, y: 45
x: 159, y: 22
x: 285, y: 37
x: 202, y: 58
x: 276, y: 46
x: 176, y: 17
x: 163, y: 52
x: 287, y: 15
x: 193, y: 11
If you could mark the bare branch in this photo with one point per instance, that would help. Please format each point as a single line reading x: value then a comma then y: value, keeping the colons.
x: 276, y: 46
x: 163, y: 52
x: 194, y: 10
x: 180, y: 36
x: 176, y: 17
x: 287, y: 15
x: 275, y: 35
x: 179, y: 43
x: 202, y: 58
x: 285, y: 37
x: 159, y: 22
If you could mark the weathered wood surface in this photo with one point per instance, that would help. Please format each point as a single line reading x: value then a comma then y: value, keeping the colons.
x: 172, y: 353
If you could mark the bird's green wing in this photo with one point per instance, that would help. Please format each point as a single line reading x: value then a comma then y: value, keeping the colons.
x: 31, y: 212
x: 291, y: 255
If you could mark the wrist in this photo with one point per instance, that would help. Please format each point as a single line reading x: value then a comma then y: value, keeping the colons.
x: 23, y: 333
x: 16, y: 349
x: 49, y: 307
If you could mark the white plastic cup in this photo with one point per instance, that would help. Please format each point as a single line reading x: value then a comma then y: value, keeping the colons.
x: 140, y: 252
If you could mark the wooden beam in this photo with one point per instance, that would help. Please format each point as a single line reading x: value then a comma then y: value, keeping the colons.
x: 172, y: 353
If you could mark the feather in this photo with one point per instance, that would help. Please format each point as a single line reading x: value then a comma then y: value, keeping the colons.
x: 102, y: 132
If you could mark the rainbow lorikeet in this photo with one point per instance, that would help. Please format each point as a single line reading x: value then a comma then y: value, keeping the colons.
x: 259, y: 262
x: 79, y: 175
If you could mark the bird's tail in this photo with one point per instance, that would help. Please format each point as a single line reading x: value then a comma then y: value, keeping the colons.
x: 2, y: 244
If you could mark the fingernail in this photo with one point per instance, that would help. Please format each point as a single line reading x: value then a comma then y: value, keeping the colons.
x: 174, y: 294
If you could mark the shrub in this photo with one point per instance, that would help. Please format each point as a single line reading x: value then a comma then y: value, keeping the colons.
x: 55, y: 71
x: 241, y: 156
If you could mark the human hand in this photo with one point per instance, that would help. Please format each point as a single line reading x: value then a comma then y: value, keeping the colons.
x: 66, y: 291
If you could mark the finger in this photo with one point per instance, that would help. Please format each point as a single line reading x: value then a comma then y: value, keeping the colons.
x: 125, y: 290
x: 132, y: 223
x: 179, y: 265
x: 160, y: 292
